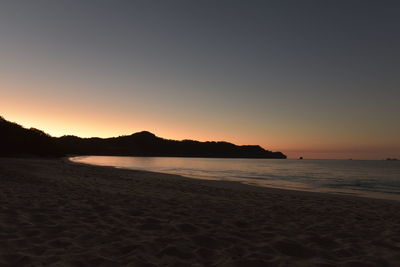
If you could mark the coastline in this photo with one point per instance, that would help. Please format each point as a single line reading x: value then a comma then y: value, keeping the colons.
x: 61, y: 212
x: 257, y: 182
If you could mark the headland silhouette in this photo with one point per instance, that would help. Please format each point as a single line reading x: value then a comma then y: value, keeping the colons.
x: 17, y: 140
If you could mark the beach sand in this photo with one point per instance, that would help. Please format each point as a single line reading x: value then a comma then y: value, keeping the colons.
x: 56, y: 213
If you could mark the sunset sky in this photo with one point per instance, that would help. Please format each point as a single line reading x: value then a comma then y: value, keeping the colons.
x: 318, y: 79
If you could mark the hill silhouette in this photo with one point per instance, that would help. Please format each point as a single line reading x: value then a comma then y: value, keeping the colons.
x: 16, y: 140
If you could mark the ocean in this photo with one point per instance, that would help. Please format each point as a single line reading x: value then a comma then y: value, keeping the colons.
x: 370, y: 178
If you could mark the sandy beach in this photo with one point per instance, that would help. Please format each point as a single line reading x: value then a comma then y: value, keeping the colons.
x: 57, y: 213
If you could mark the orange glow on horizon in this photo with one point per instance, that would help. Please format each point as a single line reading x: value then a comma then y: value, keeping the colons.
x: 87, y: 119
x: 85, y: 127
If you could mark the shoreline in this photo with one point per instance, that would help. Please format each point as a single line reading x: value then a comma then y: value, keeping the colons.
x: 56, y: 212
x: 258, y: 183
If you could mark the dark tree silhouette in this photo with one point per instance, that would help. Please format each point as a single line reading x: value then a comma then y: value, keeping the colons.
x: 16, y: 140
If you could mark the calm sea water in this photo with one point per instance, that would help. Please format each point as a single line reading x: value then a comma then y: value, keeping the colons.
x: 371, y: 178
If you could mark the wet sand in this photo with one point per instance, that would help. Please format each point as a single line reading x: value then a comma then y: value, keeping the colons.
x: 56, y: 213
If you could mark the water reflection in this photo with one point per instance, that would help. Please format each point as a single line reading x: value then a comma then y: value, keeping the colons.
x: 372, y: 178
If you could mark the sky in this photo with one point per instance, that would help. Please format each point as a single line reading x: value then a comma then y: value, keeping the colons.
x: 318, y: 79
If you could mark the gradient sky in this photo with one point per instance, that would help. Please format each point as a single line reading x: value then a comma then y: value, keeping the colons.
x: 318, y: 79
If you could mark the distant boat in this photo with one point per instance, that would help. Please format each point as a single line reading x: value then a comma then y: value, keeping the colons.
x: 391, y: 159
x: 301, y: 158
